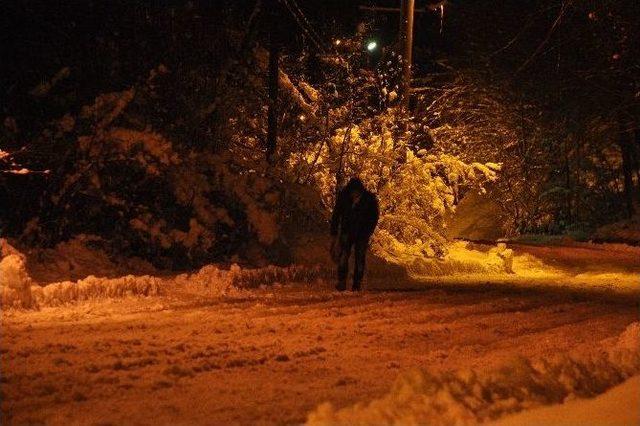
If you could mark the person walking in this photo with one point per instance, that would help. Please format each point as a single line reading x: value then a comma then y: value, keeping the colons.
x: 353, y: 221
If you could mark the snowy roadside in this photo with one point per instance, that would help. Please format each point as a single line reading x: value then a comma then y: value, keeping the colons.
x: 616, y: 407
x: 20, y: 290
x: 73, y: 272
x: 477, y: 396
x: 607, y: 271
x: 472, y: 342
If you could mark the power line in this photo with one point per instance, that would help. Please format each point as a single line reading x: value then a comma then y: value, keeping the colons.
x: 303, y: 23
x: 304, y: 18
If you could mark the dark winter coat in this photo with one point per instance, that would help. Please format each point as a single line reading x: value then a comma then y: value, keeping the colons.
x: 354, y: 221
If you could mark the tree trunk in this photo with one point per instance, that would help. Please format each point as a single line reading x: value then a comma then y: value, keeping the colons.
x: 636, y: 157
x: 408, y: 7
x: 567, y: 182
x: 625, y: 143
x: 274, y: 59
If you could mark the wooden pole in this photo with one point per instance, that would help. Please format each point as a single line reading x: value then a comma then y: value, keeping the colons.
x: 408, y: 8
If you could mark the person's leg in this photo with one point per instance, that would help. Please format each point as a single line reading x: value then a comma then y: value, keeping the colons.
x: 343, y: 264
x: 360, y: 258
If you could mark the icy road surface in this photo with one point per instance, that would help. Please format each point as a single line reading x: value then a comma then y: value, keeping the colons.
x: 273, y: 355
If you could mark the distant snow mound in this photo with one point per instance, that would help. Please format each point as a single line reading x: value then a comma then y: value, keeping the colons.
x: 470, y: 397
x: 209, y: 280
x: 477, y: 217
x: 462, y: 258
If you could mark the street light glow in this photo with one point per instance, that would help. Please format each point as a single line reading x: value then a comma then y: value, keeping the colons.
x: 371, y: 46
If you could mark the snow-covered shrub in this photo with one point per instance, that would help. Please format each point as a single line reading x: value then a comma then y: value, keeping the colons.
x: 415, y: 188
x: 152, y: 194
x: 172, y: 168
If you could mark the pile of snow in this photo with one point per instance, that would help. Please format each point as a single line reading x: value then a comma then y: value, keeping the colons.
x: 209, y: 280
x: 630, y: 338
x: 214, y: 281
x: 19, y: 290
x: 462, y: 258
x: 254, y: 278
x: 477, y: 217
x: 618, y: 406
x: 94, y: 288
x: 470, y: 397
x: 15, y: 282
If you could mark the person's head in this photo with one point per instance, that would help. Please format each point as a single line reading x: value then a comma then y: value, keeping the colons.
x: 355, y: 188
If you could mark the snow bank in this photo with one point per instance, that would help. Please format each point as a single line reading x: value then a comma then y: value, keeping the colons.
x: 469, y: 397
x: 214, y: 281
x: 19, y: 290
x: 618, y: 406
x: 95, y: 288
x: 15, y: 282
x: 253, y: 278
x: 477, y: 217
x: 462, y: 258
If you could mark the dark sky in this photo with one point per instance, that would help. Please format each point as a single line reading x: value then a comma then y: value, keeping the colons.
x: 109, y: 43
x: 40, y: 34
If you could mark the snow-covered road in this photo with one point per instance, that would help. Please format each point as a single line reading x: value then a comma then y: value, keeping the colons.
x: 273, y: 355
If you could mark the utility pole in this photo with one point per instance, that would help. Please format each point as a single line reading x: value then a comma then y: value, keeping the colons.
x: 408, y: 7
x: 272, y: 81
x: 407, y: 11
